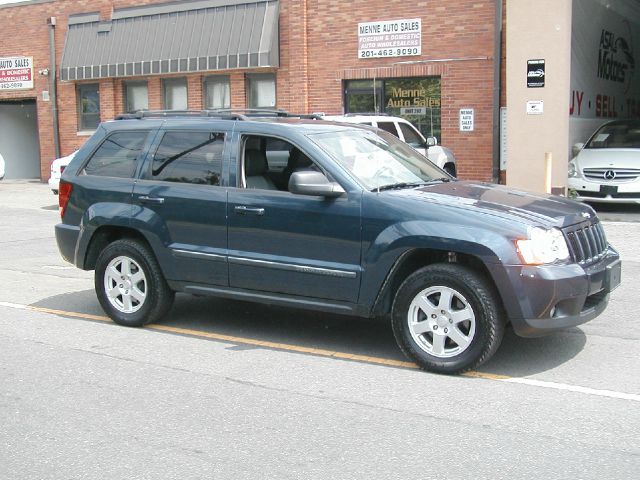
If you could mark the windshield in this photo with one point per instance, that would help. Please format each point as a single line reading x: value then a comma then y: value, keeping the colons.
x: 617, y: 135
x: 378, y: 159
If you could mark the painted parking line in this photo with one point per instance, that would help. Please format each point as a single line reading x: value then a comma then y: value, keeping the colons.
x: 336, y: 354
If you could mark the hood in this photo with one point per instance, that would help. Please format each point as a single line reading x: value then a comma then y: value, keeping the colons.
x: 507, y: 203
x: 608, y: 157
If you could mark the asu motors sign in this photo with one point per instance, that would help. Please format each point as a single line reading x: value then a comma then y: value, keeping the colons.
x: 16, y: 73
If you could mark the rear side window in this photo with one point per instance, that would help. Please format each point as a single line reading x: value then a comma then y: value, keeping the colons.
x: 189, y: 157
x: 388, y: 127
x: 117, y: 156
x: 410, y: 136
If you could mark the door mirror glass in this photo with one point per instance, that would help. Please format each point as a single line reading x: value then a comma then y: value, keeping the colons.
x: 432, y: 141
x: 313, y: 183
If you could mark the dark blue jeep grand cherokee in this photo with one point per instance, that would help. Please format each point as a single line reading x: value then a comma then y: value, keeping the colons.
x: 326, y: 216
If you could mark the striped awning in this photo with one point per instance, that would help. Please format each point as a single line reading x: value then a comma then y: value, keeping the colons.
x: 186, y: 36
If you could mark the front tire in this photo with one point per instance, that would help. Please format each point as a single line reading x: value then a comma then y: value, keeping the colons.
x: 129, y: 284
x: 447, y: 318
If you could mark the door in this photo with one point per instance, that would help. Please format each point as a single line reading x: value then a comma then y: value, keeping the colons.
x: 181, y: 191
x: 293, y: 244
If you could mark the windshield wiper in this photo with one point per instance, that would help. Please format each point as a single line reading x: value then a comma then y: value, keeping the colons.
x: 398, y: 186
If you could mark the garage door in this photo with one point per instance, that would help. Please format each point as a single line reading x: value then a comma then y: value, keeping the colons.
x: 19, y: 141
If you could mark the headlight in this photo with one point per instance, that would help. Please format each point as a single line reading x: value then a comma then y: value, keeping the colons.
x: 543, y: 246
x: 573, y: 169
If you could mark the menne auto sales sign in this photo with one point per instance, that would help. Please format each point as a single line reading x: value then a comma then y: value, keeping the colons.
x: 16, y: 73
x: 391, y: 38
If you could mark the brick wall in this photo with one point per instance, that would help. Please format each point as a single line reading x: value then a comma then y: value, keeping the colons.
x: 318, y: 51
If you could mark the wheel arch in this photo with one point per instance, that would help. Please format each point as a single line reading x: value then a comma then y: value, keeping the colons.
x: 106, y: 235
x: 416, y: 258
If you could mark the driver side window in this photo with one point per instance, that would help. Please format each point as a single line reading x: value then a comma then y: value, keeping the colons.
x: 269, y: 162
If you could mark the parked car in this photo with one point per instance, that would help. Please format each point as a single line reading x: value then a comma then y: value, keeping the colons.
x: 405, y: 131
x: 355, y: 223
x: 607, y: 168
x: 57, y: 167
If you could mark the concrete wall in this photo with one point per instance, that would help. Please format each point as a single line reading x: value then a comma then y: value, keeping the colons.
x: 538, y: 30
x: 19, y: 139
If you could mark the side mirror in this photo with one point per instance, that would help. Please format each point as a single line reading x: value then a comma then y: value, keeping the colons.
x: 432, y: 141
x: 313, y: 183
x: 576, y: 148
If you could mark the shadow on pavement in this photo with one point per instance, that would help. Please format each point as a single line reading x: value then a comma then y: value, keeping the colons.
x: 516, y: 356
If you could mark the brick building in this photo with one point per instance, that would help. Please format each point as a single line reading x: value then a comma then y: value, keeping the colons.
x: 300, y: 55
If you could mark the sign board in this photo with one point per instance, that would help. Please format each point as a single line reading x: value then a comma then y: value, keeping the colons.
x: 16, y: 73
x: 392, y: 38
x: 413, y: 111
x: 466, y: 119
x: 535, y: 73
x: 535, y: 107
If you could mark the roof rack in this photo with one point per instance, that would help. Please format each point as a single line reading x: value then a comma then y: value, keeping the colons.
x: 220, y: 113
x: 367, y: 114
x: 268, y: 112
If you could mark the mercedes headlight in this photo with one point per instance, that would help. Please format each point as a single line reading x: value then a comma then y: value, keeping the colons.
x: 543, y: 246
x: 573, y: 169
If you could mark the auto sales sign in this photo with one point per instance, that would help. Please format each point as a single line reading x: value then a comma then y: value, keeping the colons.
x: 391, y: 38
x: 16, y: 73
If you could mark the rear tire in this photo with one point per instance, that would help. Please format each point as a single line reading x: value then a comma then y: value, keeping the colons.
x: 130, y: 285
x: 447, y: 318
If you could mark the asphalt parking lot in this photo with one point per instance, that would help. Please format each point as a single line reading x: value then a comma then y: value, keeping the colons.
x: 235, y: 390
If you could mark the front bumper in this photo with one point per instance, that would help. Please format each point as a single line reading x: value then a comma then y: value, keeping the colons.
x: 605, y: 192
x: 548, y: 298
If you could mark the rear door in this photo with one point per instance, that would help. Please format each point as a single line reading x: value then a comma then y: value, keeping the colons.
x: 181, y: 199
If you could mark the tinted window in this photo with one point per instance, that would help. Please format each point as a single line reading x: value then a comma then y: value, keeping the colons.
x: 117, y: 155
x: 189, y: 157
x: 410, y: 136
x: 388, y: 127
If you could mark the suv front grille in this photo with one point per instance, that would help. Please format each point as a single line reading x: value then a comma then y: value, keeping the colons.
x: 612, y: 174
x: 587, y: 242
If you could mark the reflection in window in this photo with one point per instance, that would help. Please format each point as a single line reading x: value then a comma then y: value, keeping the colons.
x: 117, y: 155
x: 88, y: 106
x: 189, y: 157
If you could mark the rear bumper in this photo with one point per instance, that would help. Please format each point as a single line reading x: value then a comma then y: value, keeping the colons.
x: 554, y: 297
x: 67, y: 240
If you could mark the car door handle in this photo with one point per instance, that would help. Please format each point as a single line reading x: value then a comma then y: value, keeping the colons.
x: 244, y: 210
x: 155, y: 200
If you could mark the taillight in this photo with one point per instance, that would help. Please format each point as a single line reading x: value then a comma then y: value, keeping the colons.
x: 64, y: 193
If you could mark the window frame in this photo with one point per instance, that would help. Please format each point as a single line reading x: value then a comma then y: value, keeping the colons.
x: 174, y: 81
x: 215, y: 79
x: 250, y: 77
x: 82, y: 126
x: 125, y: 96
x: 138, y: 161
x: 147, y: 173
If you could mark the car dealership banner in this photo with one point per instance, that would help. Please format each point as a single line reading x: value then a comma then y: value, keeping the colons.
x: 605, y: 74
x: 16, y: 73
x: 391, y: 38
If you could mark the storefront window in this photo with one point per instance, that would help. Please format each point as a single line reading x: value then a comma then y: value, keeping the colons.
x: 175, y: 93
x: 261, y: 90
x: 88, y: 106
x: 414, y: 99
x: 136, y: 96
x: 364, y: 96
x: 217, y: 92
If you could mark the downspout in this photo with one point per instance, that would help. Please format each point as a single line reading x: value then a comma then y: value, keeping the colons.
x: 497, y: 89
x: 51, y: 21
